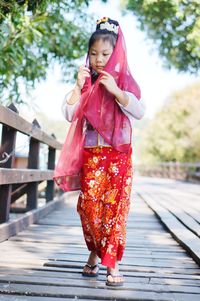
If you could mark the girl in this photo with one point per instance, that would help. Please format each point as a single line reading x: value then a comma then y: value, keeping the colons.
x: 96, y: 156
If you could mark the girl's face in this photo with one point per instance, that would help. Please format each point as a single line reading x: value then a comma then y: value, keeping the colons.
x: 99, y: 54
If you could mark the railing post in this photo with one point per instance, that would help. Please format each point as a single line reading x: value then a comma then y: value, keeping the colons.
x: 8, y: 141
x: 51, y: 165
x: 33, y: 163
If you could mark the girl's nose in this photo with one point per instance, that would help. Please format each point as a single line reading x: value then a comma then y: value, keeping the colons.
x: 99, y: 58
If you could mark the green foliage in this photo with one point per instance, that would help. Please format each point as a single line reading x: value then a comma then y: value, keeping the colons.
x: 174, y: 134
x: 36, y: 34
x: 174, y: 26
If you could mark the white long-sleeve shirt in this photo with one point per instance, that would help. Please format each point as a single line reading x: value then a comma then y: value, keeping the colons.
x: 135, y: 109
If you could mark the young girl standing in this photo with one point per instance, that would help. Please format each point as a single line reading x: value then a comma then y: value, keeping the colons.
x: 96, y: 156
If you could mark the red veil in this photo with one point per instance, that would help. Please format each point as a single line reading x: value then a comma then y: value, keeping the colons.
x: 99, y: 107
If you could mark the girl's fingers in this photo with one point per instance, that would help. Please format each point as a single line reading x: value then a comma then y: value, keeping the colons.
x: 104, y: 78
x: 83, y: 68
x: 85, y: 73
x: 104, y: 72
x: 102, y: 81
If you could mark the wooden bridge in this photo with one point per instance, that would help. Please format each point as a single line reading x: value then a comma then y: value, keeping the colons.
x: 44, y: 260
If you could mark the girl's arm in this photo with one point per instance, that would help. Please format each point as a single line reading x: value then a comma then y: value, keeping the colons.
x: 128, y: 102
x: 68, y: 106
x: 75, y: 95
x: 133, y: 107
x: 72, y: 98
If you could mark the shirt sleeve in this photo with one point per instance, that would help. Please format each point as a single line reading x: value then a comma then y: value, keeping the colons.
x: 68, y: 110
x: 134, y: 108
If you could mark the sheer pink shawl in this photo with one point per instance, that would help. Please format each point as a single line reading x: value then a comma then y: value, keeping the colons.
x: 99, y: 107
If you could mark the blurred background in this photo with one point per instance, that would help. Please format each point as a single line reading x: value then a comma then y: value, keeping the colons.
x: 43, y: 42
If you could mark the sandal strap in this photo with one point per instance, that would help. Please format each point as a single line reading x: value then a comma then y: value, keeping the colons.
x: 115, y: 276
x: 92, y: 267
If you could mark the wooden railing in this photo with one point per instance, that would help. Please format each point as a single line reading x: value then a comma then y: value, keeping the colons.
x: 15, y: 182
x: 174, y: 170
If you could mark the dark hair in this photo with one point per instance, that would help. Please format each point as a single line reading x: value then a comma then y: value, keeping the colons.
x: 104, y: 35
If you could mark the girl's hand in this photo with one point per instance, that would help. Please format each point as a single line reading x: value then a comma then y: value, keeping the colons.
x: 109, y: 82
x: 81, y: 77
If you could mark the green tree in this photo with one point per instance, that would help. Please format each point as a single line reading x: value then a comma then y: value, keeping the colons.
x: 174, y: 26
x: 174, y: 135
x: 36, y: 34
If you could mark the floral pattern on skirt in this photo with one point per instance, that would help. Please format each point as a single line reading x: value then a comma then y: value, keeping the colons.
x: 104, y: 201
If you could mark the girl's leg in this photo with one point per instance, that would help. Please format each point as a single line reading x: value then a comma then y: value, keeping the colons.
x: 90, y: 208
x: 116, y: 208
x: 85, y: 210
x: 117, y: 202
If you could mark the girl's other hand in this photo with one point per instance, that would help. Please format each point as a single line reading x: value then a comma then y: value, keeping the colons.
x: 81, y: 77
x: 109, y: 82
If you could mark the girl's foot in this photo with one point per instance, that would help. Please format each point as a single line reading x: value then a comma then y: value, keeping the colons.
x: 113, y: 277
x: 91, y: 269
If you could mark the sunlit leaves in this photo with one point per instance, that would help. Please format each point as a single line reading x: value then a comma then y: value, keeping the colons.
x: 36, y: 34
x: 174, y: 27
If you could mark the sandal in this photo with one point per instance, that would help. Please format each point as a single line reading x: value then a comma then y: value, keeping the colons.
x: 114, y: 283
x: 92, y: 267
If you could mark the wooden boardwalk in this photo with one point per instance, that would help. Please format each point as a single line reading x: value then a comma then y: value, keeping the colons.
x: 177, y: 204
x: 44, y: 262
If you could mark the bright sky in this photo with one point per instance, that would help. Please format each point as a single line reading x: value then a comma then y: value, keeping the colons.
x: 155, y: 82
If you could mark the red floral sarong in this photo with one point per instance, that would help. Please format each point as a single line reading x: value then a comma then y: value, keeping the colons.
x: 104, y: 201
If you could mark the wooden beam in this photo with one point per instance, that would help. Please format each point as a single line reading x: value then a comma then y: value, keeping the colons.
x: 8, y: 141
x: 15, y: 175
x: 33, y: 162
x: 51, y: 165
x: 11, y: 119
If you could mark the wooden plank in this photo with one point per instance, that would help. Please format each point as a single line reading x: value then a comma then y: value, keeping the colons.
x: 148, y: 266
x: 73, y: 253
x: 65, y: 278
x: 94, y: 283
x: 76, y: 274
x: 8, y: 141
x: 33, y: 163
x: 91, y: 290
x: 58, y: 250
x: 11, y: 119
x: 50, y: 165
x: 137, y: 296
x: 191, y: 208
x: 16, y: 274
x: 186, y: 238
x: 8, y: 297
x: 177, y: 211
x: 76, y: 230
x: 5, y: 192
x: 15, y: 175
x: 15, y: 226
x: 128, y: 263
x: 134, y: 296
x: 128, y: 257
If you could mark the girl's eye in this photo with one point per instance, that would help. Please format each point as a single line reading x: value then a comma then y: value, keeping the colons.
x: 105, y: 54
x: 92, y: 53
